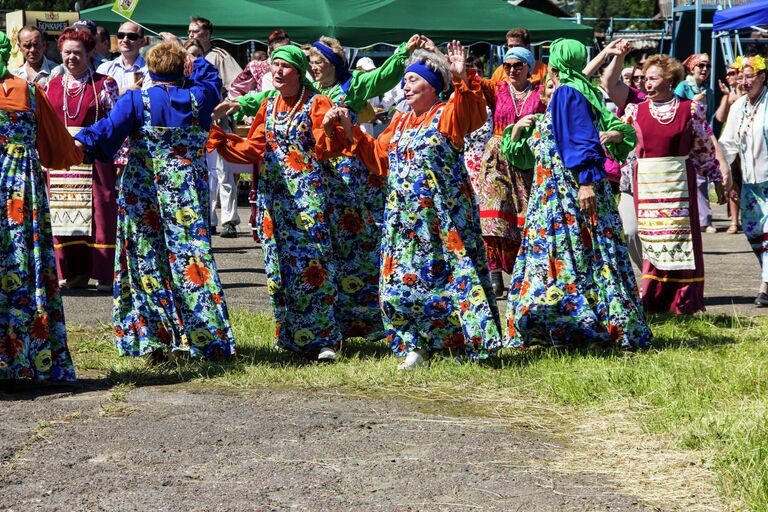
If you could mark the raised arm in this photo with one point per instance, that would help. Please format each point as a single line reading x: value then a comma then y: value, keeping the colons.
x: 611, y: 81
x: 729, y: 139
x: 205, y: 84
x: 465, y: 112
x: 366, y: 85
x: 593, y: 65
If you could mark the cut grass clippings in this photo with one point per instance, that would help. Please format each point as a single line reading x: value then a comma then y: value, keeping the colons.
x: 683, y: 426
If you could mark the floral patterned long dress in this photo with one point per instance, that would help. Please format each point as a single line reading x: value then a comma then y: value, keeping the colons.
x: 435, y: 287
x: 33, y: 338
x: 167, y: 289
x: 573, y: 283
x: 295, y: 235
x: 356, y: 207
x: 293, y: 215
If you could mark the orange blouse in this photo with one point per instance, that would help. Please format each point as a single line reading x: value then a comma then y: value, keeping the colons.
x: 54, y: 144
x: 251, y: 149
x: 489, y: 92
x: 463, y: 113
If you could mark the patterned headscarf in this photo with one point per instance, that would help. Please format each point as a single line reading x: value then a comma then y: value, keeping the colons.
x: 694, y: 59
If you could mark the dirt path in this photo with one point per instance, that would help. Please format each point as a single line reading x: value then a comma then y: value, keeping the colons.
x: 173, y: 449
x: 88, y: 447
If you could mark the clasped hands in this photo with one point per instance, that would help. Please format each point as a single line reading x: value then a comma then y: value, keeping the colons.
x: 338, y: 116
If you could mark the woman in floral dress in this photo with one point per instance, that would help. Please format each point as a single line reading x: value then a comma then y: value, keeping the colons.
x: 435, y: 290
x: 84, y: 234
x: 676, y: 148
x: 356, y: 196
x: 33, y: 337
x: 573, y: 283
x: 503, y: 190
x: 167, y: 292
x: 293, y: 207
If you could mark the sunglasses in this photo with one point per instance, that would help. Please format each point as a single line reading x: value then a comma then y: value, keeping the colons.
x: 703, y: 65
x: 638, y: 78
x: 517, y: 66
x: 132, y: 36
x: 730, y: 73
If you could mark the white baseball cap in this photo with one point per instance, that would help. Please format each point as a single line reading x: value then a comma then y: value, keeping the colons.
x: 365, y: 64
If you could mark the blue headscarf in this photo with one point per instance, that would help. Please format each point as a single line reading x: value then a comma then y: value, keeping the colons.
x: 342, y: 73
x: 433, y: 78
x: 524, y: 54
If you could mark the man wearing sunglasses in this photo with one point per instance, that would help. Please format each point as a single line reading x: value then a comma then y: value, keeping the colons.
x: 129, y: 68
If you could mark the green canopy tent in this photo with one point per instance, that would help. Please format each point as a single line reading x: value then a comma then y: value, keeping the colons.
x: 356, y: 23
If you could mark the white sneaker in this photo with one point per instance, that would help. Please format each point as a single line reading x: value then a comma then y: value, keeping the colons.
x: 326, y: 354
x: 412, y: 361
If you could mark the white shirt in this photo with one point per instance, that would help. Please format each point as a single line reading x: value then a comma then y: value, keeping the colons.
x: 46, y: 68
x: 122, y: 73
x: 746, y: 134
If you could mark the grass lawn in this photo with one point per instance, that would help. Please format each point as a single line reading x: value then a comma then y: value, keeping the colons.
x: 683, y: 426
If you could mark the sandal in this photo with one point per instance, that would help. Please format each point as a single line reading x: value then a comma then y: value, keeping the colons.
x: 732, y: 229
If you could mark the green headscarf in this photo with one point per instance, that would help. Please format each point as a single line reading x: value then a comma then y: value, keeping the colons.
x: 569, y: 57
x: 5, y: 53
x: 296, y: 58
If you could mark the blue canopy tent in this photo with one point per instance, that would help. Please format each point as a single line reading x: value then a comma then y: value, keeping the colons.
x: 752, y: 14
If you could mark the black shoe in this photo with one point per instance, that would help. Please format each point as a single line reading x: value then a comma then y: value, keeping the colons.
x: 228, y: 230
x: 497, y: 282
x: 214, y: 231
x: 762, y: 300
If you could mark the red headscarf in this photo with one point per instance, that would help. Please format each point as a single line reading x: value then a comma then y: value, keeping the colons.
x: 694, y: 59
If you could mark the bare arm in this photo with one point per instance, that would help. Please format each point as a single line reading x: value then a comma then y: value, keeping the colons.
x: 729, y: 96
x: 594, y: 65
x: 617, y: 90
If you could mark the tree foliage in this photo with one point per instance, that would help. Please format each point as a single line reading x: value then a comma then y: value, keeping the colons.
x: 615, y: 9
